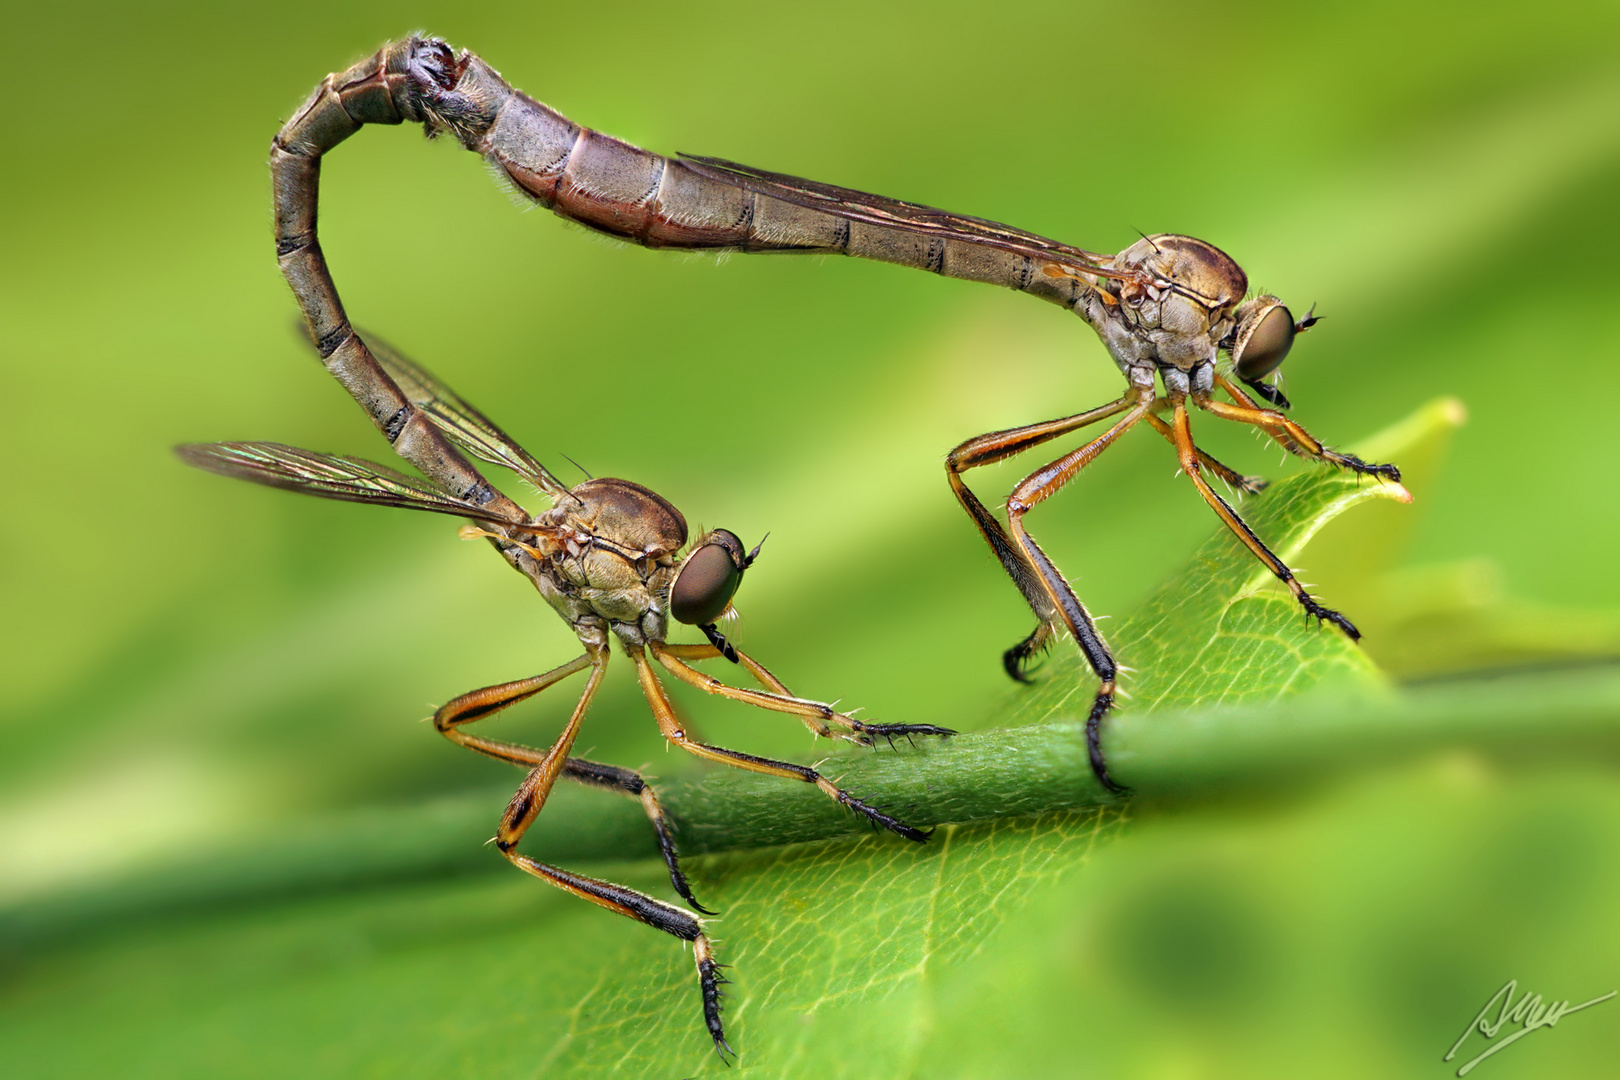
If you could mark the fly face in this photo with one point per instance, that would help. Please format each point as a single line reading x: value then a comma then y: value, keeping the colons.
x: 709, y: 577
x: 1260, y: 341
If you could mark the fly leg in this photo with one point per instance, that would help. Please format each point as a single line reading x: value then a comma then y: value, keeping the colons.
x: 1181, y: 431
x: 1249, y: 485
x: 817, y: 716
x: 1292, y: 437
x: 479, y: 704
x: 670, y: 725
x: 1035, y: 489
x: 544, y: 769
x: 632, y: 783
x: 998, y: 446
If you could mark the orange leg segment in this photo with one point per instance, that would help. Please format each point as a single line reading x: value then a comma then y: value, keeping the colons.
x: 670, y: 725
x: 545, y: 766
x: 817, y: 716
x: 1181, y: 429
x: 1292, y: 437
x: 998, y: 446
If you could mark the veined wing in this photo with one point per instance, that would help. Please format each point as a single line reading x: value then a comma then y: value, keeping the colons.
x: 894, y: 213
x: 331, y: 476
x: 461, y: 423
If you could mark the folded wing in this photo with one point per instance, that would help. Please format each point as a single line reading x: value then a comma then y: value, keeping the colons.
x: 330, y: 476
x: 460, y: 422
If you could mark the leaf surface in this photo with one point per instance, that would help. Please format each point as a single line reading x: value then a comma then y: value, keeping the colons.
x: 851, y: 956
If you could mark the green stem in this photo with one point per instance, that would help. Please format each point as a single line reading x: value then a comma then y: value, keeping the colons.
x: 990, y: 774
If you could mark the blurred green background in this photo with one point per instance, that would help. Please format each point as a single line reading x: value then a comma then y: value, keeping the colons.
x: 189, y: 661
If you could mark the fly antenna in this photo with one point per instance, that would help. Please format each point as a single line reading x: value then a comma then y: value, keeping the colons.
x: 752, y: 555
x: 578, y: 466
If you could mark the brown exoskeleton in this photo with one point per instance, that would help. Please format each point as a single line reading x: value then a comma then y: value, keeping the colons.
x: 611, y: 557
x: 1166, y: 307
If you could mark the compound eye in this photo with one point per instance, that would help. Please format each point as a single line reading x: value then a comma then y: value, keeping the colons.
x: 1263, y: 349
x: 707, y: 580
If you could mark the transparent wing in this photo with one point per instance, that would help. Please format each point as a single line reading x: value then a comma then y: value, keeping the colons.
x: 879, y: 210
x: 461, y: 423
x: 331, y: 476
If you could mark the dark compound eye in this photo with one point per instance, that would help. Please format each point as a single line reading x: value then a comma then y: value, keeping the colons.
x: 707, y: 580
x: 1266, y: 346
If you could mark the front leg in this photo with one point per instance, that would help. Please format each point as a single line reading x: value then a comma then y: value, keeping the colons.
x: 1249, y: 485
x: 817, y: 716
x: 1187, y: 452
x: 664, y: 712
x: 1292, y: 437
x: 483, y: 703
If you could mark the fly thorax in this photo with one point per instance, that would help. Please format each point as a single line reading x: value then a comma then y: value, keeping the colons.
x: 609, y: 583
x: 562, y: 595
x: 1184, y: 336
x: 1180, y: 296
x: 1125, y: 342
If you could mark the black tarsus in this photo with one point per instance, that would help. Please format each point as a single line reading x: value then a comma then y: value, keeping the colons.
x: 1016, y: 661
x: 1322, y: 614
x: 1388, y: 472
x: 878, y: 817
x: 677, y: 876
x: 1099, y: 764
x: 889, y: 731
x: 711, y: 980
x: 630, y: 782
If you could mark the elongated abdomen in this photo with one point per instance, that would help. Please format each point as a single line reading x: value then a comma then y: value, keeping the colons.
x: 626, y: 191
x: 614, y: 187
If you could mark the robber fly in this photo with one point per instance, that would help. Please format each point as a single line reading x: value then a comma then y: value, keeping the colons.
x: 611, y: 557
x: 1168, y: 308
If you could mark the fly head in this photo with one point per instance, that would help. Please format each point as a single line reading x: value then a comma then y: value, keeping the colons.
x: 1260, y: 342
x: 709, y: 577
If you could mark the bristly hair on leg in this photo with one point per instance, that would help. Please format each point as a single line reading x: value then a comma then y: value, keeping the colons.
x: 710, y: 980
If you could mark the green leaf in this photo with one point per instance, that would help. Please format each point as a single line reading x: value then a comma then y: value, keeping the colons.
x: 375, y: 946
x: 1222, y: 630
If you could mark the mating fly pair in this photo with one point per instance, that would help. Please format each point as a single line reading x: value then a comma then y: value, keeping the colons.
x: 606, y: 555
x: 1167, y: 307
